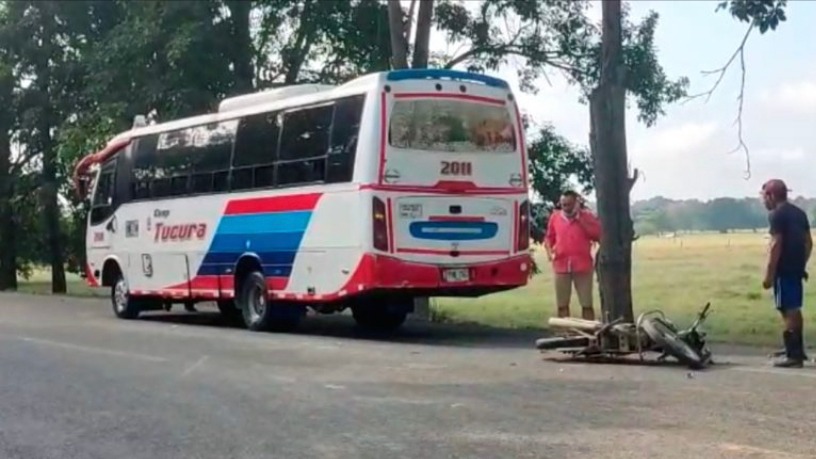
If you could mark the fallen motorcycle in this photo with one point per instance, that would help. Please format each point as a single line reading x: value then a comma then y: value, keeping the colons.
x: 651, y: 332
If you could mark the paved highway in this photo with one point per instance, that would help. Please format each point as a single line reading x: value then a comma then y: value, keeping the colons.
x: 77, y: 383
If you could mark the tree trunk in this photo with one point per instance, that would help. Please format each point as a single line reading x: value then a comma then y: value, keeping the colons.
x: 294, y: 59
x: 612, y: 181
x: 241, y: 45
x: 423, y: 34
x: 399, y: 47
x: 8, y: 243
x: 51, y: 209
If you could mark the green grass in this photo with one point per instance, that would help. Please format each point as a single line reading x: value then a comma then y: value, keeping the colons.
x: 40, y: 284
x: 676, y: 275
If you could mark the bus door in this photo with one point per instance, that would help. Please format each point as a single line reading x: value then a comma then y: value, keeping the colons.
x: 102, y: 223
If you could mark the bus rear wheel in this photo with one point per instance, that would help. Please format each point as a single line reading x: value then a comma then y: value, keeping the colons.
x: 261, y: 314
x: 124, y: 305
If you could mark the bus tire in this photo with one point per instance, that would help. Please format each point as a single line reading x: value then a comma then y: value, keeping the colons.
x: 259, y: 313
x: 124, y: 305
x: 378, y: 318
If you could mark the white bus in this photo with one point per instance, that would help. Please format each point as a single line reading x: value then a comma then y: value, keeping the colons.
x: 394, y: 186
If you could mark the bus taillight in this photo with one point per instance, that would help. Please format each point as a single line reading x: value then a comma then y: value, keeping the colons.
x: 523, y: 236
x: 380, y: 224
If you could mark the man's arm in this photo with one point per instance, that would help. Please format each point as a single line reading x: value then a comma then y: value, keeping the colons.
x: 591, y: 225
x: 549, y: 238
x: 777, y: 223
x: 808, y: 240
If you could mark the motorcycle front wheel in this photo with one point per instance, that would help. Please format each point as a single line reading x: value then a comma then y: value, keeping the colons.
x: 672, y: 344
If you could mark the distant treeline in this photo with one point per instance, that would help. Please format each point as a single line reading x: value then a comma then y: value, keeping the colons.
x: 660, y: 215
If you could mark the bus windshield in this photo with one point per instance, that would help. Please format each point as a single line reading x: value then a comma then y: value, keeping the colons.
x: 449, y: 125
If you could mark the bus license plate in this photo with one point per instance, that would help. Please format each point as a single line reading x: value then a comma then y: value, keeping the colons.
x: 456, y: 275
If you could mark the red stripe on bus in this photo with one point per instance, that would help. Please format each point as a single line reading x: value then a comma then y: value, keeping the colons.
x: 382, y: 137
x: 298, y: 202
x: 522, y: 147
x: 435, y: 190
x: 514, y: 238
x: 204, y: 283
x: 276, y: 283
x: 390, y: 226
x: 449, y: 95
x: 454, y: 218
x: 448, y: 251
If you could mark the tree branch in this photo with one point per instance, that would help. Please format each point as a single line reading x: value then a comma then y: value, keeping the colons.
x: 631, y: 180
x: 741, y: 98
x: 739, y: 52
x: 482, y: 49
x: 722, y: 70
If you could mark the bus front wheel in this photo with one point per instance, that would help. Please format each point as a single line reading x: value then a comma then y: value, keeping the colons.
x: 261, y: 314
x: 124, y: 305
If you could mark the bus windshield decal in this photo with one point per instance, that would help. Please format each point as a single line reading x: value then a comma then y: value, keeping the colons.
x: 448, y: 125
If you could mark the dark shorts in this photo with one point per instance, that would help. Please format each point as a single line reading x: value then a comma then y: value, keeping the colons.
x: 788, y: 293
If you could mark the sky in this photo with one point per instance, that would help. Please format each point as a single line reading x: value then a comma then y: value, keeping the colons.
x: 686, y: 154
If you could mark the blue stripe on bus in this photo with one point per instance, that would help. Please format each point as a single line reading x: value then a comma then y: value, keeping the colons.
x: 258, y: 242
x: 276, y: 222
x: 453, y: 231
x: 283, y: 257
x: 436, y: 74
x: 227, y: 269
x: 274, y: 237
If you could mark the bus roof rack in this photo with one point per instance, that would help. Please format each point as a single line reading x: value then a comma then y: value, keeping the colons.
x: 445, y: 74
x: 270, y: 95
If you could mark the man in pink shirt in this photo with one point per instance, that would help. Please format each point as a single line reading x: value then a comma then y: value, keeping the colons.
x: 571, y: 232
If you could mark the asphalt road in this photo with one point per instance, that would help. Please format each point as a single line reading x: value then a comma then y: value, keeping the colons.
x: 77, y: 383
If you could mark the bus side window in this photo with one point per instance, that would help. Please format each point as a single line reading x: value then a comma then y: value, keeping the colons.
x: 345, y: 130
x: 144, y: 160
x: 102, y: 205
x: 256, y: 149
x: 174, y: 163
x: 304, y: 145
x: 210, y: 156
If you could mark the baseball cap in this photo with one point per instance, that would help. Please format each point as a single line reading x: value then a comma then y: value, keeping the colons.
x: 775, y: 187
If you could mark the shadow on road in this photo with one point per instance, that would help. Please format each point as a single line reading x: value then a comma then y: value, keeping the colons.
x: 343, y: 326
x: 634, y: 360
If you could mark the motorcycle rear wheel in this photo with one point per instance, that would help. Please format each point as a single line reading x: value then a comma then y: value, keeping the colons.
x: 672, y: 344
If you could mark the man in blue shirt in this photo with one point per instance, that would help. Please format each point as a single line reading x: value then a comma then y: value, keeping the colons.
x: 786, y: 272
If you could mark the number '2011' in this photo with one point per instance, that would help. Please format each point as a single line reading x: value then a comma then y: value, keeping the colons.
x: 456, y: 168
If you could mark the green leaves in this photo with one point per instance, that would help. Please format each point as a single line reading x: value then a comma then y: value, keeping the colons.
x: 763, y: 14
x: 555, y: 163
x: 539, y: 37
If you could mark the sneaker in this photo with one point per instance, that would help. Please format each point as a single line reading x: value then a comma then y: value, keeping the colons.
x: 788, y: 362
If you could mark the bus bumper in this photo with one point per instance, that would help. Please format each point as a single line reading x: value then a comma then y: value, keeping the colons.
x: 379, y: 272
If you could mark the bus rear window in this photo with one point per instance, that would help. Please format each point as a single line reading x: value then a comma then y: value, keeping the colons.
x: 451, y: 126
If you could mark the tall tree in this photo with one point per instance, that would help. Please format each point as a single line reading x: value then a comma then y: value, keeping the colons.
x: 42, y: 54
x: 399, y: 42
x: 612, y: 181
x: 422, y: 41
x: 8, y: 245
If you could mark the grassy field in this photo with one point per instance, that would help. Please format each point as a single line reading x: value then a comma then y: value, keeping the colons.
x: 678, y: 275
